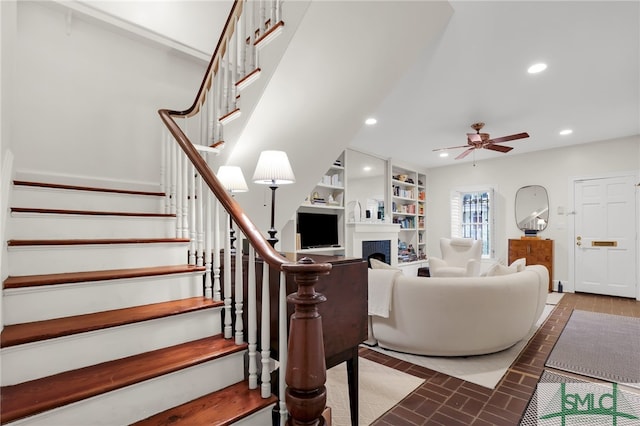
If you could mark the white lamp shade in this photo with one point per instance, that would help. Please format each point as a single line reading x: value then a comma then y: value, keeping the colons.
x: 273, y: 168
x: 232, y: 179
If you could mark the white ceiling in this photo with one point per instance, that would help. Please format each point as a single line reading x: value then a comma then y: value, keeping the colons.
x: 477, y: 71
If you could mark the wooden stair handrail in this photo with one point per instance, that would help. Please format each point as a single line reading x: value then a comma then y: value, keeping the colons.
x: 262, y: 246
x: 229, y: 27
x: 306, y: 394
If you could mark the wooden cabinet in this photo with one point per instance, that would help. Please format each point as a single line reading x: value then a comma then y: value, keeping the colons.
x: 536, y: 251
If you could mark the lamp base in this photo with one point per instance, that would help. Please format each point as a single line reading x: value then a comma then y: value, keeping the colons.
x: 272, y: 237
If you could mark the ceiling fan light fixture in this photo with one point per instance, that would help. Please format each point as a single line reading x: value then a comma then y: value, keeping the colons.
x: 444, y: 154
x: 536, y: 68
x: 566, y: 132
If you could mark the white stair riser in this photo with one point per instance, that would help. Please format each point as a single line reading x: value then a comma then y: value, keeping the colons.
x: 139, y: 401
x: 71, y: 226
x: 25, y: 362
x: 260, y: 418
x: 51, y: 198
x: 54, y: 301
x: 36, y: 260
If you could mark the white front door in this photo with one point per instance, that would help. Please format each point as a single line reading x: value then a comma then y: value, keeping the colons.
x: 605, y: 236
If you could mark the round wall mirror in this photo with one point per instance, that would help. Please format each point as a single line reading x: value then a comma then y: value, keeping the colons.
x: 532, y: 208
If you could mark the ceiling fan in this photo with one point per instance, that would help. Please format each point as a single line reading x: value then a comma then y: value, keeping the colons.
x: 479, y: 140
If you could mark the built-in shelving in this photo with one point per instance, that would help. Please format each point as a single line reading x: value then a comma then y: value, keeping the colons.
x: 408, y: 209
x: 326, y: 197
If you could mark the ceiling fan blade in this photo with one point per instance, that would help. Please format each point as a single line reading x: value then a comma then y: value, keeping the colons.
x: 464, y: 154
x: 500, y: 148
x: 451, y: 147
x: 509, y: 138
x: 474, y: 137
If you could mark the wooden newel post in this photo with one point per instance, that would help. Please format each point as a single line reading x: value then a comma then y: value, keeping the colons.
x: 306, y: 374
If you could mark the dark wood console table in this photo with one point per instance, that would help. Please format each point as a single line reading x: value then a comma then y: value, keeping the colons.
x: 344, y: 314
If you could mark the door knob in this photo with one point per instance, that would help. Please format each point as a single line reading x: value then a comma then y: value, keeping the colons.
x: 578, y: 240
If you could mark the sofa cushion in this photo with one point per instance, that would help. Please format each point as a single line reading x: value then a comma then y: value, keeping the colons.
x: 378, y: 264
x: 498, y: 269
x: 519, y: 264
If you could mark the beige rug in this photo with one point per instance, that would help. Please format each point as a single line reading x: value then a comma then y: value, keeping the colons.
x: 484, y: 370
x: 380, y: 388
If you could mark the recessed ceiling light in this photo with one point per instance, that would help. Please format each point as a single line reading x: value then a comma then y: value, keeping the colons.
x: 370, y: 121
x: 367, y: 168
x: 444, y: 154
x: 566, y: 132
x: 536, y: 68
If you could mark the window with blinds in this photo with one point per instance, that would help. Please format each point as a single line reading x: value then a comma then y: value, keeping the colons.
x: 472, y: 217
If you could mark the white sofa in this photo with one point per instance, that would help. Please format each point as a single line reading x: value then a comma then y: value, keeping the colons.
x: 455, y: 316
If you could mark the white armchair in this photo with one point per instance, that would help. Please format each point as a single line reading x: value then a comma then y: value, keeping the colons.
x: 460, y: 258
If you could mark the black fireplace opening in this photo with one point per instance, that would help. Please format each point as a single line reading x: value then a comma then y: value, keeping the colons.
x: 378, y: 249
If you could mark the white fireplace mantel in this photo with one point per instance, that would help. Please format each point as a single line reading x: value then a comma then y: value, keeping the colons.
x: 357, y: 232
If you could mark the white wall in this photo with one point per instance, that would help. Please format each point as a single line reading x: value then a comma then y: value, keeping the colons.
x: 86, y: 97
x: 7, y: 60
x: 196, y: 24
x: 552, y: 169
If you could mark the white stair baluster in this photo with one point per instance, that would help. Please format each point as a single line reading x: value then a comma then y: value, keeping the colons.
x: 265, y: 334
x: 250, y: 10
x: 192, y: 214
x: 185, y: 195
x: 273, y: 13
x: 252, y: 318
x: 240, y: 46
x: 278, y: 10
x: 225, y: 85
x: 263, y: 17
x: 164, y: 174
x: 239, y: 293
x: 228, y: 332
x: 199, y: 221
x: 220, y: 105
x: 179, y: 192
x: 208, y: 240
x: 235, y: 69
x: 216, y: 249
x: 173, y: 168
x: 211, y: 110
x: 282, y: 345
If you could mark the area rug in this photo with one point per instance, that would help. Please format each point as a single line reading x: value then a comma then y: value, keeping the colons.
x: 554, y: 298
x: 380, y: 388
x: 484, y: 370
x: 547, y: 408
x: 602, y: 346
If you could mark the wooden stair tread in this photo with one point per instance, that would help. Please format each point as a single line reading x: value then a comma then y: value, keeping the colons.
x: 223, y: 407
x: 36, y: 396
x: 86, y: 241
x: 88, y: 212
x: 18, y: 334
x: 86, y: 188
x: 112, y: 274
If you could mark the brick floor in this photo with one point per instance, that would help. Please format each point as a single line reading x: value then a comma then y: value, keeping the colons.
x: 446, y: 400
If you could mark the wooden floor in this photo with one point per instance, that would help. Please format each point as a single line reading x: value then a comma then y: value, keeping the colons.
x: 446, y: 400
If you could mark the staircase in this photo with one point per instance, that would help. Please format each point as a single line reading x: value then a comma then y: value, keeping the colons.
x: 106, y: 322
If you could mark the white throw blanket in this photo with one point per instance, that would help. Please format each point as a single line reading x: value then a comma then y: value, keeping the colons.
x: 380, y: 288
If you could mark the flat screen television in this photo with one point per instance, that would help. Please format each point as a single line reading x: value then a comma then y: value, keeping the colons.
x: 317, y: 230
